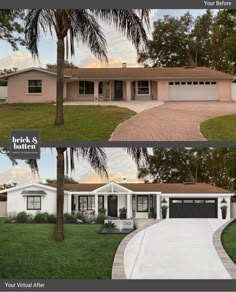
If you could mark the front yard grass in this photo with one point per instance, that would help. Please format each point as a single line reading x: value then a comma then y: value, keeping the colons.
x: 82, y: 123
x: 220, y: 128
x: 229, y: 240
x: 29, y: 251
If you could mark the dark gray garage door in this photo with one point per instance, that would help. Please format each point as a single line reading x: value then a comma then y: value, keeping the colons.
x: 193, y: 208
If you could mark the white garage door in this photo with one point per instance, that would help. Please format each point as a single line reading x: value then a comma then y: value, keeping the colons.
x: 193, y: 90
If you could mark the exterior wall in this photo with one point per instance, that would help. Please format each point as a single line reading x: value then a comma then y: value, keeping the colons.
x: 142, y: 215
x: 16, y: 202
x: 154, y: 90
x: 233, y: 90
x: 224, y: 90
x: 163, y: 90
x: 3, y: 209
x: 18, y: 88
x: 3, y: 92
x: 233, y: 210
x: 72, y: 93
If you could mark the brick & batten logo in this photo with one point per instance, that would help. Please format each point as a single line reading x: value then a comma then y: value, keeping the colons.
x: 25, y: 144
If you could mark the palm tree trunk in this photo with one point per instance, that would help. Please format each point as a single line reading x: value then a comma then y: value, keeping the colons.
x: 60, y: 81
x: 60, y: 194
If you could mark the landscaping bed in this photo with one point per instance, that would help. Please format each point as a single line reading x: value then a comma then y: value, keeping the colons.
x: 220, y: 128
x: 29, y: 251
x: 82, y: 123
x: 228, y: 239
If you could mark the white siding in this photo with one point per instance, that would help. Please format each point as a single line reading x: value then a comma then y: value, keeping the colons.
x: 16, y: 202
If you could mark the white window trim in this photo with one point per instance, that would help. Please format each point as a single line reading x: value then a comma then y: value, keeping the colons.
x: 141, y: 94
x: 32, y: 93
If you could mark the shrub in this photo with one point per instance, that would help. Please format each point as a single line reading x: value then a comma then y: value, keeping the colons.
x: 109, y: 225
x: 100, y: 218
x: 52, y: 218
x: 69, y: 218
x: 41, y: 217
x: 80, y: 216
x: 123, y: 213
x: 90, y: 219
x: 21, y: 217
x: 102, y: 211
x: 11, y: 217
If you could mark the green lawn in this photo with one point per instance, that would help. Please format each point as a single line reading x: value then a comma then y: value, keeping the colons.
x: 82, y: 123
x: 229, y: 240
x: 29, y: 251
x: 221, y: 128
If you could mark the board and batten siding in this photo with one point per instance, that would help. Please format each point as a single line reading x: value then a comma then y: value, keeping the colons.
x: 17, y: 202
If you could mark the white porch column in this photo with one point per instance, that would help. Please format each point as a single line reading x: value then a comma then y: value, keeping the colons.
x: 129, y: 207
x: 96, y: 204
x: 69, y: 209
x: 96, y: 90
x: 158, y: 206
x: 128, y: 90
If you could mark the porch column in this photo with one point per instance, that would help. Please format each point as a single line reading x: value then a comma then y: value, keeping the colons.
x: 69, y: 209
x: 96, y: 90
x: 128, y: 90
x: 129, y: 209
x: 158, y: 206
x: 149, y: 197
x: 96, y: 204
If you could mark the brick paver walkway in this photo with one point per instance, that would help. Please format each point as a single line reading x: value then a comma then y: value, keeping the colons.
x: 172, y: 121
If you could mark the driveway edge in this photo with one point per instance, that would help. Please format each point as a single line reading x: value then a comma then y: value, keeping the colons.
x: 226, y: 260
x: 118, y: 269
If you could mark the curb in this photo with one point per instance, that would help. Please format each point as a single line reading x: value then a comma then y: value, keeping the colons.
x: 226, y: 260
x: 118, y: 269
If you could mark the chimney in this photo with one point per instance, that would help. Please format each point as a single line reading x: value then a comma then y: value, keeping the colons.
x: 124, y: 65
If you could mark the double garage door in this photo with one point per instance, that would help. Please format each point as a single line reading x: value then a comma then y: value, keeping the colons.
x: 193, y: 90
x: 193, y: 208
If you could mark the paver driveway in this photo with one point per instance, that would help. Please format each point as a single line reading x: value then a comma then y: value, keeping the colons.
x: 172, y: 121
x: 175, y: 249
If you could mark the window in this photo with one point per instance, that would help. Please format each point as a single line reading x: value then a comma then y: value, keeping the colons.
x: 86, y: 203
x: 189, y: 83
x: 100, y: 202
x: 177, y: 83
x: 207, y: 82
x: 188, y: 201
x: 142, y: 203
x: 143, y: 87
x: 86, y: 87
x: 100, y: 88
x: 199, y: 201
x: 171, y: 83
x: 176, y: 201
x: 183, y: 83
x: 210, y: 201
x: 33, y: 203
x: 195, y: 83
x: 213, y: 82
x: 34, y: 86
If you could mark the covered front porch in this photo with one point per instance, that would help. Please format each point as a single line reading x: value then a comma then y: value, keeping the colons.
x: 110, y: 90
x: 115, y: 201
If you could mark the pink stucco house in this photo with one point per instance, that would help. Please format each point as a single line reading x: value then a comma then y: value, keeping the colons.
x: 36, y: 85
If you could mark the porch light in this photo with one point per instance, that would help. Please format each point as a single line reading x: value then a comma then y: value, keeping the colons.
x: 164, y: 201
x: 223, y: 201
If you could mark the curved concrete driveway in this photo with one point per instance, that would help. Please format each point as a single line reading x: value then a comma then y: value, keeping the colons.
x: 175, y: 249
x: 172, y: 121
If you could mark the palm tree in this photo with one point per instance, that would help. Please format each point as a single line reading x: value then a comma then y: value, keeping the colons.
x: 73, y: 24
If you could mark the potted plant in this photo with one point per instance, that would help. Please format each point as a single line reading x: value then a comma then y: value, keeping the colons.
x: 164, y: 211
x: 123, y: 213
x: 224, y: 211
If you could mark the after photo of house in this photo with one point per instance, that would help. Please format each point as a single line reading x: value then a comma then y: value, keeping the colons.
x: 119, y: 213
x: 174, y: 74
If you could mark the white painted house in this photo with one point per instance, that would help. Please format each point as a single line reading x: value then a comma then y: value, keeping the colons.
x: 188, y: 200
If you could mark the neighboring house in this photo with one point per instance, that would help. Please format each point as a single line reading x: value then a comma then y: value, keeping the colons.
x: 35, y: 85
x: 141, y: 200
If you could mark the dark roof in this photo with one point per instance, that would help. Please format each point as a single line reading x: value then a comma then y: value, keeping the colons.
x: 147, y: 73
x: 167, y: 188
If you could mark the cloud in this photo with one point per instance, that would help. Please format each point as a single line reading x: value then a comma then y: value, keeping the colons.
x: 113, y: 62
x: 18, y: 60
x: 118, y: 177
x: 18, y: 175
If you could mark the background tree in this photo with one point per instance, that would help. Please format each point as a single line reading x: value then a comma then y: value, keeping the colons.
x: 70, y: 25
x: 209, y: 40
x: 11, y: 27
x: 66, y: 65
x: 67, y: 180
x: 215, y: 166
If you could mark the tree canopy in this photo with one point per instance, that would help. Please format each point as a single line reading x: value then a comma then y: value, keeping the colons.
x: 207, y: 40
x: 176, y: 165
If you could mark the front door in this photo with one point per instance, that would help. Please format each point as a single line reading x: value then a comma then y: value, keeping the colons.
x: 112, y: 206
x: 118, y: 90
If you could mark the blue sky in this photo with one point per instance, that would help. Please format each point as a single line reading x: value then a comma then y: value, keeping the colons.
x: 119, y: 49
x: 120, y: 166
